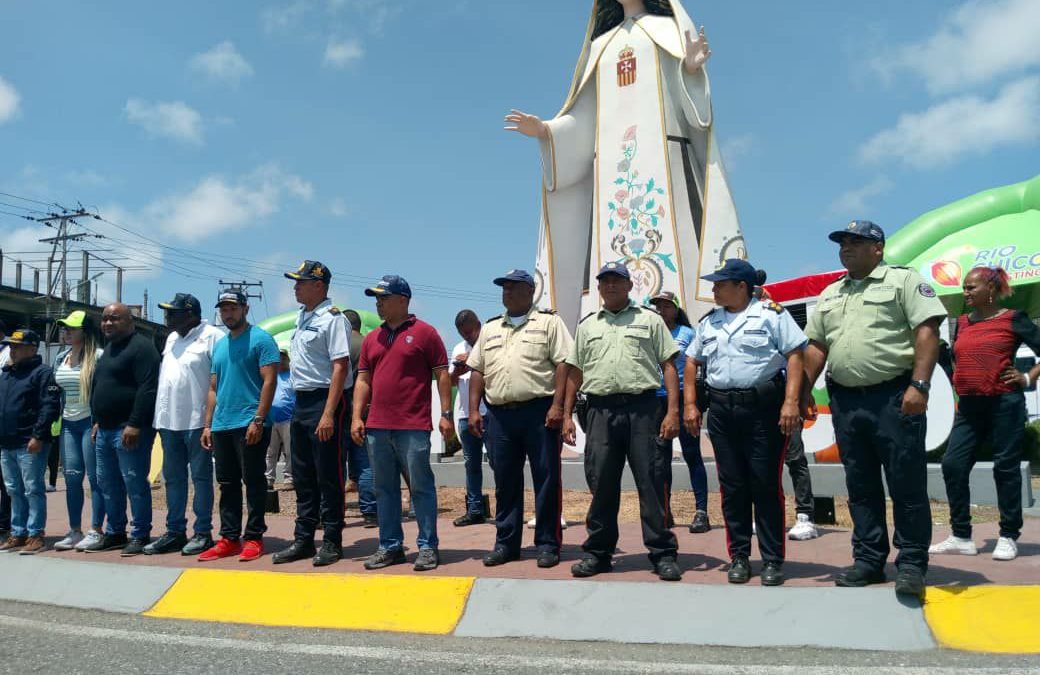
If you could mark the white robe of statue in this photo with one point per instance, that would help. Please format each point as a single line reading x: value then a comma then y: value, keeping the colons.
x: 632, y: 174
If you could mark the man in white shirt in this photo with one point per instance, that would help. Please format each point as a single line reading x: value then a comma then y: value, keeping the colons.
x: 468, y: 325
x: 180, y: 409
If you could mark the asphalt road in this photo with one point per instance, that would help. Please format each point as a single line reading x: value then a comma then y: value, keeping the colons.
x: 37, y: 638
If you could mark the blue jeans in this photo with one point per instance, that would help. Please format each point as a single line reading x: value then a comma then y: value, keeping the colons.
x: 78, y: 457
x: 23, y: 479
x: 359, y: 469
x: 390, y: 451
x: 473, y: 454
x: 123, y: 473
x: 181, y: 449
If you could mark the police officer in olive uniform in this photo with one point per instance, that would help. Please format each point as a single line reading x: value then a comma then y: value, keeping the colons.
x: 877, y: 328
x: 519, y: 366
x: 746, y: 346
x: 619, y: 355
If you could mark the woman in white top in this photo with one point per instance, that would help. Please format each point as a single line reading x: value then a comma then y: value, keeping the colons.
x: 74, y: 371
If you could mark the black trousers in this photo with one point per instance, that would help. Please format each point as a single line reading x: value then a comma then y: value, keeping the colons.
x: 798, y: 467
x: 53, y: 456
x: 749, y: 454
x: 516, y: 435
x: 873, y: 436
x: 236, y: 464
x: 317, y: 468
x: 621, y: 428
x: 1002, y: 420
x: 5, y: 505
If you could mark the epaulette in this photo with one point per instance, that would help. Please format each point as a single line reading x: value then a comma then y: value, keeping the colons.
x: 899, y: 267
x: 496, y: 318
x: 773, y: 306
x: 334, y: 310
x: 547, y: 311
x: 705, y: 315
x: 587, y: 316
x: 651, y: 308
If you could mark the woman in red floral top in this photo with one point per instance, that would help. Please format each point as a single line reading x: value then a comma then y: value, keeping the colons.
x: 991, y: 406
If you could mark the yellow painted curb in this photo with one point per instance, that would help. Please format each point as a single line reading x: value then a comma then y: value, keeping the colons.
x: 377, y: 602
x: 997, y: 619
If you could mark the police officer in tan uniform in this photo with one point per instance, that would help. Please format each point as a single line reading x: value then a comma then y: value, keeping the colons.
x: 877, y: 329
x: 619, y: 356
x: 519, y: 369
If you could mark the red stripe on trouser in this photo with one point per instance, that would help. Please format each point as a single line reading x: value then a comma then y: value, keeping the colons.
x: 780, y: 494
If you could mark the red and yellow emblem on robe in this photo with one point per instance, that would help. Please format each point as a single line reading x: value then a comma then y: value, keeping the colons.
x: 626, y: 67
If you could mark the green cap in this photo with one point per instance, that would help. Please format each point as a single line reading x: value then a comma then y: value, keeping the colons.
x: 73, y: 320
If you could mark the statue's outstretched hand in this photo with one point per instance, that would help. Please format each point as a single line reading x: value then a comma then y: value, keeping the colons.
x: 528, y: 125
x: 697, y: 52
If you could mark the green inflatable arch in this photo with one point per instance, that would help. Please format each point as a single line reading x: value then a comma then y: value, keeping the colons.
x: 995, y: 227
x: 283, y: 325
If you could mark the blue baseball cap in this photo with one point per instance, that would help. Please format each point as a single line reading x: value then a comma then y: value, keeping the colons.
x: 614, y: 268
x: 515, y: 275
x: 734, y: 269
x: 859, y: 228
x: 390, y: 284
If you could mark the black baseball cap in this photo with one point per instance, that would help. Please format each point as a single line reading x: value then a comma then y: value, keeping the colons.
x: 311, y: 270
x: 734, y: 269
x: 614, y: 268
x: 237, y: 297
x: 183, y: 302
x: 522, y: 276
x: 390, y: 284
x: 859, y: 228
x: 22, y: 336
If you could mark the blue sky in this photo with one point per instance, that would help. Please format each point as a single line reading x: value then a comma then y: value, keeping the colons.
x: 367, y: 133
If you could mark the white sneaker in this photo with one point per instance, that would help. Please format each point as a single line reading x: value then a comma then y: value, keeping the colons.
x: 954, y: 544
x: 69, y: 542
x: 1006, y: 549
x: 563, y: 523
x: 803, y: 529
x: 91, y: 537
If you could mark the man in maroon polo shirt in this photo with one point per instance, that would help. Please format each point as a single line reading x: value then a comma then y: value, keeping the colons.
x: 394, y: 381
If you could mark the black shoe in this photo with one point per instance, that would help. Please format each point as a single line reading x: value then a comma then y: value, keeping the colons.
x: 298, y: 550
x: 198, y: 544
x: 910, y: 581
x: 667, y: 569
x: 470, y: 519
x: 700, y: 523
x: 590, y: 566
x: 669, y: 521
x: 773, y: 574
x: 330, y: 552
x: 739, y: 570
x: 547, y: 559
x: 858, y: 577
x: 499, y: 556
x: 168, y: 543
x: 427, y: 560
x: 383, y: 558
x: 108, y: 542
x: 4, y: 534
x: 135, y: 546
x: 369, y: 520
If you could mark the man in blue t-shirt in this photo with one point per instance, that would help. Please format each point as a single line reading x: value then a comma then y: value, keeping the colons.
x: 281, y: 421
x: 238, y: 429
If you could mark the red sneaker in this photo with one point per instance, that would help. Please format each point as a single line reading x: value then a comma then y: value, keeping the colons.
x: 224, y: 548
x: 251, y: 550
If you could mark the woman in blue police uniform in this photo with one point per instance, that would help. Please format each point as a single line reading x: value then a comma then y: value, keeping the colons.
x: 746, y: 346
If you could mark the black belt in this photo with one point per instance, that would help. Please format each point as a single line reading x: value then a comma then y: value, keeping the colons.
x: 770, y: 390
x: 513, y: 405
x: 615, y: 400
x: 900, y: 381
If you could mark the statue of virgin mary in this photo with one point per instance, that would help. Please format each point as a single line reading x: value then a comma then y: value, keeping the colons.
x: 631, y: 171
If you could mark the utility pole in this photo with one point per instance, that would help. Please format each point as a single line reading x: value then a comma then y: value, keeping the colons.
x: 242, y: 286
x: 62, y: 239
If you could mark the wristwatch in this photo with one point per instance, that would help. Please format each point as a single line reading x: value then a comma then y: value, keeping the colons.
x: 258, y: 420
x: 447, y: 415
x: 923, y: 386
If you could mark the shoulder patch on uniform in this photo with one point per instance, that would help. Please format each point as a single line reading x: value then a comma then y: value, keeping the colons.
x: 926, y: 290
x: 547, y: 311
x: 773, y: 306
x: 590, y: 314
x: 334, y: 310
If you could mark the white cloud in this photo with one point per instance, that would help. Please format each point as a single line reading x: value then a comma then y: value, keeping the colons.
x: 979, y: 41
x: 9, y: 101
x: 173, y: 119
x: 855, y: 203
x: 216, y: 205
x: 284, y: 17
x: 376, y: 13
x: 733, y: 149
x: 338, y: 208
x: 223, y: 63
x: 343, y: 53
x: 964, y: 125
